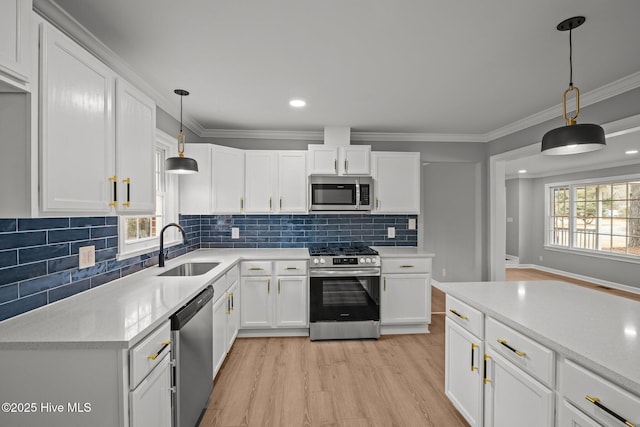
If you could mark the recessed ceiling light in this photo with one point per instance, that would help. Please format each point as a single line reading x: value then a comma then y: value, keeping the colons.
x: 522, y: 171
x: 631, y: 152
x: 298, y: 103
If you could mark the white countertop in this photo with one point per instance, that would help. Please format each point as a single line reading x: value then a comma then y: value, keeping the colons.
x: 120, y: 313
x: 402, y: 252
x: 595, y: 329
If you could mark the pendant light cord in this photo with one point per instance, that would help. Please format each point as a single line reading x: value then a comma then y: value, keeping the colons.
x: 570, y: 60
x: 182, y: 96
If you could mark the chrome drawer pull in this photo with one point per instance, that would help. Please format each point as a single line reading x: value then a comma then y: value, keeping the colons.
x: 256, y: 268
x: 596, y: 401
x: 291, y: 268
x: 165, y: 344
x: 407, y: 266
x: 462, y: 316
x: 519, y: 353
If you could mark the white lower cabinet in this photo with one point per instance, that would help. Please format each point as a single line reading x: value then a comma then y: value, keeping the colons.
x: 225, y: 316
x: 405, y: 299
x: 150, y: 402
x: 512, y: 397
x: 291, y: 301
x: 570, y: 416
x: 274, y: 294
x: 464, y: 372
x: 405, y: 295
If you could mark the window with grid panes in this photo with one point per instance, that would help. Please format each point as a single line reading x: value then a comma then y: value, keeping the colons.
x: 599, y: 215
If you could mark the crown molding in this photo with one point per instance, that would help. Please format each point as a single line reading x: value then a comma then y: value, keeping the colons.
x: 52, y: 12
x: 263, y: 134
x: 609, y: 90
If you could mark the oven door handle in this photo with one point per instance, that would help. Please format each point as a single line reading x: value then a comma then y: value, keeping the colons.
x: 321, y: 272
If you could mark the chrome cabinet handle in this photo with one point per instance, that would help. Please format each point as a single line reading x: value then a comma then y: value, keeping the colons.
x: 407, y: 266
x: 519, y: 353
x: 268, y: 286
x: 291, y: 268
x: 241, y: 203
x: 278, y: 286
x: 385, y: 284
x: 346, y: 166
x: 462, y: 316
x: 335, y: 165
x: 270, y: 203
x: 596, y: 401
x: 256, y: 268
x: 280, y: 202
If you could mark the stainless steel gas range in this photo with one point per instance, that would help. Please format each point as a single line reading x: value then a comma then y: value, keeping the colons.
x: 344, y: 293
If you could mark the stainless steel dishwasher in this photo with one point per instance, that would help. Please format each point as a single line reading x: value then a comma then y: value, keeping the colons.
x: 192, y: 349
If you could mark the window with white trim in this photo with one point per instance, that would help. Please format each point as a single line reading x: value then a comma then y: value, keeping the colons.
x: 141, y: 233
x: 600, y: 215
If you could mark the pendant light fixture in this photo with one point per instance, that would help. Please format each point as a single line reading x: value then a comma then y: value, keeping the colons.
x: 181, y: 164
x: 572, y: 138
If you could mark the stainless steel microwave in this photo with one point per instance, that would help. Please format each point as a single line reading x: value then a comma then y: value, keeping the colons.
x: 328, y: 193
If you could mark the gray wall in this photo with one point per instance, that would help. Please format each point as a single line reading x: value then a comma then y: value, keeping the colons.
x: 513, y: 220
x: 452, y: 219
x: 622, y: 272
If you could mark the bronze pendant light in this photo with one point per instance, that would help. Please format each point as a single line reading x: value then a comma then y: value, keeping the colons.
x: 572, y: 138
x: 181, y: 164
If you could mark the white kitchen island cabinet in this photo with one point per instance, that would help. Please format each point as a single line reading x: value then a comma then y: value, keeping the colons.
x: 15, y: 19
x: 464, y: 376
x: 543, y: 365
x: 396, y: 182
x: 511, y: 397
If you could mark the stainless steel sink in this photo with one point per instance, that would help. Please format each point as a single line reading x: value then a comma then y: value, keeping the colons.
x: 191, y: 269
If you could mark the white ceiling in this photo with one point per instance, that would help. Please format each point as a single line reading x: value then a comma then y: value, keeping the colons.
x: 411, y: 66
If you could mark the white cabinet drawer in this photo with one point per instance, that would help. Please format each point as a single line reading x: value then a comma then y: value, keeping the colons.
x: 592, y: 394
x: 466, y: 316
x: 406, y: 265
x: 291, y: 268
x: 145, y: 355
x: 256, y: 268
x: 525, y: 353
x: 570, y: 416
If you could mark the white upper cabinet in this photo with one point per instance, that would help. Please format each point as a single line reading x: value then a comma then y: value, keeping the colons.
x: 196, y: 193
x: 355, y: 160
x: 396, y: 182
x: 218, y: 187
x: 292, y: 181
x: 76, y: 128
x: 96, y: 138
x: 135, y: 141
x: 15, y: 16
x: 228, y: 180
x: 260, y: 181
x: 332, y: 160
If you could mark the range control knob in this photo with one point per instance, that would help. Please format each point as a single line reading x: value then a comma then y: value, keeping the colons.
x: 316, y: 261
x: 361, y: 260
x: 321, y: 260
x: 368, y: 260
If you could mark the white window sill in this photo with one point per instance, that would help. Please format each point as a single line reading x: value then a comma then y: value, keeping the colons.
x: 602, y: 255
x: 153, y: 245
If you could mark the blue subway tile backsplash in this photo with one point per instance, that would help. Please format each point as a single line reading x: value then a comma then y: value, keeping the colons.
x: 39, y: 256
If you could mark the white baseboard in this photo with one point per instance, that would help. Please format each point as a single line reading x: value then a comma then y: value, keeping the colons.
x: 593, y: 280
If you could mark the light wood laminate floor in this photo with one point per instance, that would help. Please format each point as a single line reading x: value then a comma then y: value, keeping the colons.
x: 395, y: 381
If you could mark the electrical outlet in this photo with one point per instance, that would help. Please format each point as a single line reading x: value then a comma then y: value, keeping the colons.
x: 391, y: 232
x: 235, y: 232
x: 509, y: 219
x: 444, y: 272
x: 87, y: 256
x: 412, y: 224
